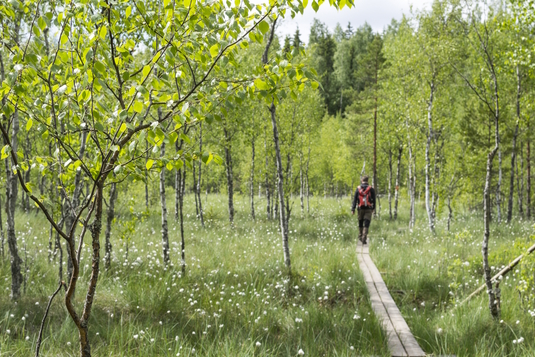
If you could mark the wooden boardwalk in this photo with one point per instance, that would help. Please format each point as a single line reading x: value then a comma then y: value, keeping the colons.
x: 401, y: 342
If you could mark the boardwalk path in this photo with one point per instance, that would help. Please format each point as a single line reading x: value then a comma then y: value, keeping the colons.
x: 401, y: 342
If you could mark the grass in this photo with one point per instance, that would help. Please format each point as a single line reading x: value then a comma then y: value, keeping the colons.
x: 236, y: 298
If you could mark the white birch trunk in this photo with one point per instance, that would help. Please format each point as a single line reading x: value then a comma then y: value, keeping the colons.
x: 165, y: 231
x: 398, y: 177
x: 430, y: 134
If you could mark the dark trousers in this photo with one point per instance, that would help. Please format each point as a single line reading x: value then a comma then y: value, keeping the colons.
x: 365, y: 217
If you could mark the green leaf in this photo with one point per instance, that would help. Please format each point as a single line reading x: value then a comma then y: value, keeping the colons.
x: 169, y: 166
x: 122, y: 128
x: 118, y: 169
x: 5, y: 151
x: 207, y: 157
x: 103, y: 32
x: 128, y: 11
x: 260, y: 84
x: 99, y: 126
x: 185, y: 138
x: 84, y: 95
x: 149, y: 164
x: 214, y: 50
x: 138, y: 107
x: 42, y: 23
x: 218, y: 160
x: 173, y: 137
x: 315, y: 6
x: 64, y: 39
x: 29, y: 124
x: 100, y: 67
x: 263, y: 27
x: 146, y: 71
x: 36, y: 31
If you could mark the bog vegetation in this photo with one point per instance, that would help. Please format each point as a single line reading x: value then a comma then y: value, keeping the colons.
x: 179, y: 176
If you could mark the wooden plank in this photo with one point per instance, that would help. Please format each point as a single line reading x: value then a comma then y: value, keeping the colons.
x: 401, y: 341
x: 399, y: 323
x: 394, y: 343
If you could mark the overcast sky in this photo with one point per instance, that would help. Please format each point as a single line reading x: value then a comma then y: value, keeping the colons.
x: 378, y: 13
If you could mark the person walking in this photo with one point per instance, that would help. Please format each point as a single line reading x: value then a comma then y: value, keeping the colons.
x: 364, y: 200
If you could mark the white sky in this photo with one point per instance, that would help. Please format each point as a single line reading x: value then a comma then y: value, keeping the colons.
x: 378, y: 13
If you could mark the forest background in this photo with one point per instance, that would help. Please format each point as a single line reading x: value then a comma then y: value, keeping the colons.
x: 200, y: 99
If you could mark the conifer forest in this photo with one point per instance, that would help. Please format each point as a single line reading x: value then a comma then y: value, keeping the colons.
x: 178, y: 176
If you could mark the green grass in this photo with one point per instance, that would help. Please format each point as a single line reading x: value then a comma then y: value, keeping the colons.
x: 236, y: 292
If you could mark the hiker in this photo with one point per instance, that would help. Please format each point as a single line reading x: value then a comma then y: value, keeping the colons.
x: 365, y: 202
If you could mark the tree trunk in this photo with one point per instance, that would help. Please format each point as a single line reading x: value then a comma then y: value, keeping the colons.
x: 109, y: 220
x: 528, y: 176
x: 280, y: 187
x: 398, y: 177
x: 165, y: 231
x: 252, y: 177
x: 2, y: 236
x: 306, y: 179
x: 178, y: 187
x: 499, y: 188
x: 27, y: 155
x: 520, y: 185
x: 430, y: 135
x: 11, y: 201
x: 82, y: 322
x: 268, y: 193
x: 301, y: 184
x: 375, y: 140
x: 485, y: 246
x: 199, y: 181
x: 512, y: 182
x: 182, y: 189
x: 280, y: 177
x: 70, y: 214
x: 194, y: 189
x: 230, y: 178
x: 390, y: 182
x: 513, y: 154
x: 450, y: 212
x: 146, y: 177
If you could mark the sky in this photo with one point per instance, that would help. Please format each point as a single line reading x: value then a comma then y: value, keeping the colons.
x: 378, y: 13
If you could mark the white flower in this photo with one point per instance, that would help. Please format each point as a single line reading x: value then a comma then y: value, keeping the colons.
x: 8, y: 331
x: 258, y: 344
x: 68, y: 343
x: 18, y: 67
x: 298, y: 320
x: 356, y: 317
x: 136, y: 336
x: 300, y: 352
x: 439, y: 331
x: 27, y: 338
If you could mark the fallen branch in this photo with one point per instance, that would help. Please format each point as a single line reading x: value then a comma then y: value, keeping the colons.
x: 38, y: 346
x: 502, y: 273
